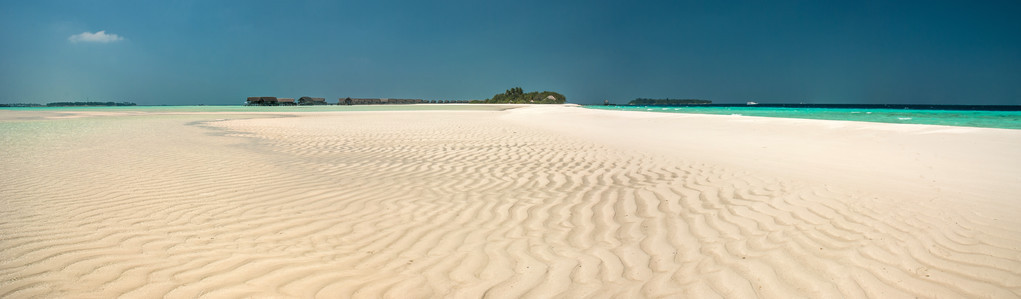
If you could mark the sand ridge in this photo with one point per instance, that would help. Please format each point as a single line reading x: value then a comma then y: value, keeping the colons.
x: 462, y: 204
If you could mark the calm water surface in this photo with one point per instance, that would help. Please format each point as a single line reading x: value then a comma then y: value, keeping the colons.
x: 962, y: 118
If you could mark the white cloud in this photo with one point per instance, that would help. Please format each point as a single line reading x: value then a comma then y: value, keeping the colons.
x: 98, y: 37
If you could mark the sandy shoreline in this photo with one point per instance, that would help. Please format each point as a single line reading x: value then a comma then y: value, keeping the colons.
x: 533, y: 202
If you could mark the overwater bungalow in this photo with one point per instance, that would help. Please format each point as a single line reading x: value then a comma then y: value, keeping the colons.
x: 311, y: 101
x: 379, y: 101
x: 404, y: 101
x: 274, y: 101
x: 262, y: 101
x: 286, y: 102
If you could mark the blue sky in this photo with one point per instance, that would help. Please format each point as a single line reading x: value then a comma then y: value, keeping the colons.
x: 219, y: 52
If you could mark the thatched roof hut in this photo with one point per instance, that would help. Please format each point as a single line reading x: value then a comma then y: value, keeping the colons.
x: 366, y: 101
x: 377, y: 101
x: 405, y: 101
x: 286, y: 101
x: 311, y: 101
x: 262, y: 101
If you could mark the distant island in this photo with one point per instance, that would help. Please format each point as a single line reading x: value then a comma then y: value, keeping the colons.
x: 518, y: 96
x: 69, y: 104
x: 72, y: 104
x: 22, y: 105
x: 667, y: 102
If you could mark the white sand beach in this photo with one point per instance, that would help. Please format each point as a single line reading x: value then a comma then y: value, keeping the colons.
x: 533, y: 202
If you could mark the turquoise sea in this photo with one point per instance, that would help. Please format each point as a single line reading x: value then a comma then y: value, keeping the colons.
x: 946, y: 117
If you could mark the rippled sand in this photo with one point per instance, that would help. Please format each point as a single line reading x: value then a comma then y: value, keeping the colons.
x: 533, y: 202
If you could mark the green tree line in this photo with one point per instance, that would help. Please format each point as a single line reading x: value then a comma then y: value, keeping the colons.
x: 64, y: 104
x: 517, y: 95
x: 666, y: 102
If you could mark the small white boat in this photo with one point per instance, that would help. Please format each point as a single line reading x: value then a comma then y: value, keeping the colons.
x: 752, y: 103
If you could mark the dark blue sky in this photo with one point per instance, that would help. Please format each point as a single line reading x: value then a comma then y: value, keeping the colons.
x: 219, y: 52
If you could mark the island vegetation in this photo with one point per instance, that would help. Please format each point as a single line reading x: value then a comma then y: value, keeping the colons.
x: 22, y: 105
x: 667, y: 102
x: 69, y: 104
x: 517, y: 95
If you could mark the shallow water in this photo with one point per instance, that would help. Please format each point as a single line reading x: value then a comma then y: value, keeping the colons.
x: 961, y: 118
